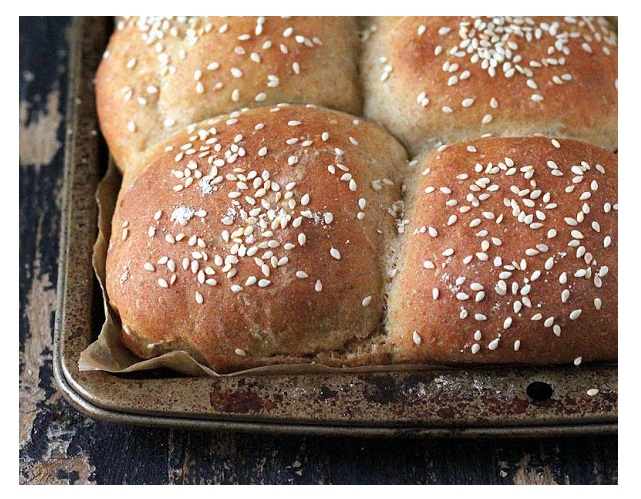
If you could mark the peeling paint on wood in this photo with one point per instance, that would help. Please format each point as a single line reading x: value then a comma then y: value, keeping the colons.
x: 38, y: 136
x: 40, y: 307
x: 526, y: 474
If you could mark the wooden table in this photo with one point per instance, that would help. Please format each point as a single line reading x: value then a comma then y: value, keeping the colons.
x: 58, y: 444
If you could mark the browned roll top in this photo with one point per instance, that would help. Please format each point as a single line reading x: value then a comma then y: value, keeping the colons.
x: 257, y: 238
x: 510, y: 255
x: 441, y: 80
x: 160, y: 74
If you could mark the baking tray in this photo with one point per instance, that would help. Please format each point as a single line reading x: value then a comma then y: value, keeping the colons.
x: 510, y: 401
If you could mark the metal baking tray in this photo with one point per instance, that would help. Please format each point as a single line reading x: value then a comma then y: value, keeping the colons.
x: 506, y: 401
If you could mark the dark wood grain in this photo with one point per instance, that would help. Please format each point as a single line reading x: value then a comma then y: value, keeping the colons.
x: 58, y: 444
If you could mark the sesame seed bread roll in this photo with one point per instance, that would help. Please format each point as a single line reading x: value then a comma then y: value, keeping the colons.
x: 509, y: 256
x: 258, y: 238
x: 442, y: 80
x: 160, y: 74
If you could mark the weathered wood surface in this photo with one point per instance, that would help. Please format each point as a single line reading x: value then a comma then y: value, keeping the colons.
x: 59, y: 445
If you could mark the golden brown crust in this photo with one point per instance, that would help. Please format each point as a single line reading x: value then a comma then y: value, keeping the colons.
x: 425, y: 78
x: 531, y: 221
x: 309, y: 194
x: 160, y: 74
x: 510, y: 255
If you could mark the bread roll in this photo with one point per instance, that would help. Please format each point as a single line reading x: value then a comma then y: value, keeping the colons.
x: 160, y: 74
x: 257, y: 238
x: 442, y: 80
x: 509, y: 256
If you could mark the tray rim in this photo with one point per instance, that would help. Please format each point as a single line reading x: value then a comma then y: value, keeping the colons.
x: 77, y: 387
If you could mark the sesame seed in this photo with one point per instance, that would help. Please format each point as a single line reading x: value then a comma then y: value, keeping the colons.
x: 494, y: 344
x: 435, y: 293
x: 251, y: 280
x: 575, y: 314
x: 163, y: 283
x: 578, y: 361
x: 366, y: 301
x: 335, y: 253
x: 301, y: 274
x: 235, y: 288
x: 592, y: 392
x: 475, y: 348
x: 318, y: 286
x: 199, y: 297
x: 417, y: 338
x: 241, y: 352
